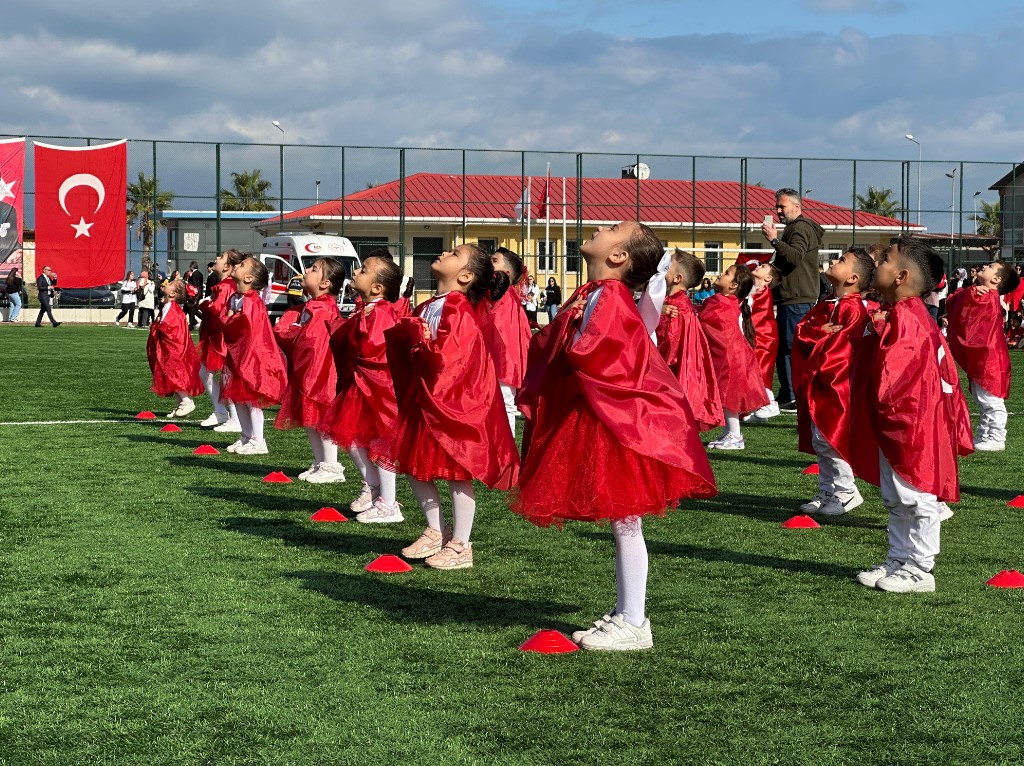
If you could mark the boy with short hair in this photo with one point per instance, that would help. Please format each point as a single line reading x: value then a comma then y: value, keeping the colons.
x: 975, y: 336
x: 906, y: 389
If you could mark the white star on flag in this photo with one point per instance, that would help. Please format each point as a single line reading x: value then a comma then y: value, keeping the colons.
x: 82, y: 228
x: 6, y: 189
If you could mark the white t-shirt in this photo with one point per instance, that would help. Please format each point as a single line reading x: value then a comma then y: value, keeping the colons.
x: 128, y: 288
x: 166, y: 308
x: 432, y: 314
x: 588, y: 311
x: 530, y: 297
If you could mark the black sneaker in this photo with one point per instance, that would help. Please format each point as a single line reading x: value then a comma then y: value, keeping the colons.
x: 57, y: 324
x: 787, y: 406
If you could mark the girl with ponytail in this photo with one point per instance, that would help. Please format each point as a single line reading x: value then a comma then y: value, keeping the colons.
x: 213, y: 310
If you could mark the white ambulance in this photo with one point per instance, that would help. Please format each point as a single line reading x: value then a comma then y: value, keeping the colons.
x: 287, y: 256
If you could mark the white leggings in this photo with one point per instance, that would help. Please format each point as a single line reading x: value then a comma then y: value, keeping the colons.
x: 324, y: 450
x: 463, y: 505
x: 250, y: 417
x: 380, y: 479
x: 630, y: 570
x: 212, y: 386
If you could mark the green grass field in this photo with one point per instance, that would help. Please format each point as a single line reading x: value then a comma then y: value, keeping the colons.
x: 162, y: 608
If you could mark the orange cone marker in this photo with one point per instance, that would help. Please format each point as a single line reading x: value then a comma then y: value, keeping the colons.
x: 388, y: 564
x: 811, y: 470
x: 548, y: 642
x: 170, y: 428
x: 1008, y: 578
x: 801, y: 522
x: 276, y: 477
x: 206, y: 449
x: 1017, y: 502
x: 145, y: 415
x: 328, y: 514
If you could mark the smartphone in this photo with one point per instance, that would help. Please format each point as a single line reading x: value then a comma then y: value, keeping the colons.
x: 768, y: 220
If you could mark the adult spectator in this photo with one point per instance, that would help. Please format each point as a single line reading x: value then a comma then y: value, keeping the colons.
x: 13, y: 287
x: 552, y: 298
x: 960, y: 281
x: 530, y: 295
x: 706, y: 291
x: 147, y: 300
x: 45, y: 285
x: 1013, y: 299
x: 128, y: 300
x: 212, y: 278
x: 194, y: 288
x: 796, y: 256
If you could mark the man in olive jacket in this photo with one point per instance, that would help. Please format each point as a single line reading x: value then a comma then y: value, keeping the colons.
x: 796, y: 256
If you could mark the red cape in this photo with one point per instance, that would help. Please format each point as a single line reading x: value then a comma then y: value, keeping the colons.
x: 975, y: 336
x: 766, y: 334
x: 254, y: 365
x: 213, y: 310
x: 807, y: 334
x: 312, y: 380
x: 682, y: 344
x: 172, y: 355
x: 907, y: 389
x: 739, y: 378
x: 507, y: 335
x: 451, y: 381
x: 402, y: 307
x: 823, y: 394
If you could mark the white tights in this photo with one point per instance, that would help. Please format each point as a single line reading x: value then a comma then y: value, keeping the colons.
x: 732, y: 424
x: 630, y: 570
x: 463, y: 505
x: 250, y: 417
x: 381, y: 480
x: 324, y: 450
x: 212, y: 386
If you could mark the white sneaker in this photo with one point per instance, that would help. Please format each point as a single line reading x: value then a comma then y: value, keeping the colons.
x: 187, y: 407
x: 130, y: 324
x: 617, y: 635
x: 578, y: 635
x: 253, y: 447
x: 382, y: 513
x: 870, y: 577
x: 909, y: 578
x: 727, y: 442
x: 812, y: 505
x: 945, y: 512
x: 365, y: 500
x: 229, y: 426
x: 215, y: 420
x: 304, y: 476
x: 236, y: 445
x: 839, y: 504
x: 761, y: 414
x: 117, y: 323
x: 989, y: 446
x: 327, y: 473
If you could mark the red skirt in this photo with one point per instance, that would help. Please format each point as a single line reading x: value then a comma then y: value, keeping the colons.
x: 234, y: 389
x: 298, y: 411
x: 349, y: 420
x: 562, y: 480
x: 412, y: 449
x: 208, y: 356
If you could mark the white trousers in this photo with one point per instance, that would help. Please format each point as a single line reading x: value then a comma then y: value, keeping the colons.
x: 913, y: 519
x: 508, y: 395
x: 834, y: 473
x: 992, y: 423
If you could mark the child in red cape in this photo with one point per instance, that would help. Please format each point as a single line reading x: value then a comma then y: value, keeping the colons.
x: 725, y: 317
x: 506, y: 332
x: 451, y: 422
x: 1015, y: 335
x: 213, y: 309
x: 172, y: 355
x: 254, y: 372
x: 766, y: 334
x: 682, y: 344
x: 824, y: 346
x: 365, y: 408
x: 303, y: 335
x: 975, y: 336
x: 906, y: 388
x: 610, y: 436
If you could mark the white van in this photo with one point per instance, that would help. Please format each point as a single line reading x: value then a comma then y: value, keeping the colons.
x: 287, y: 256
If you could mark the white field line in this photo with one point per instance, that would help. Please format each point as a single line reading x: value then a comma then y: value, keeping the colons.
x: 79, y: 422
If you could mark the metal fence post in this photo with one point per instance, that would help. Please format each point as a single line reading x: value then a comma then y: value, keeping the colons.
x: 463, y: 196
x: 853, y: 206
x: 579, y: 217
x: 154, y: 226
x: 216, y: 190
x: 280, y: 224
x: 693, y: 200
x: 401, y: 196
x: 743, y: 202
x: 401, y: 244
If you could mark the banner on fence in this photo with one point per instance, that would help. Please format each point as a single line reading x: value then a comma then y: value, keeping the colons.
x: 12, y: 179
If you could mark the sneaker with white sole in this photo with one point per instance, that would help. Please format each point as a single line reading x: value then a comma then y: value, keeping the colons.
x: 840, y: 503
x: 870, y: 577
x: 728, y: 442
x: 909, y: 578
x: 215, y: 420
x: 187, y: 407
x: 367, y: 496
x: 945, y: 512
x: 233, y: 447
x: 617, y: 635
x: 382, y: 513
x: 130, y: 324
x: 812, y: 505
x: 989, y: 445
x: 424, y: 546
x: 327, y: 473
x: 762, y: 414
x: 578, y: 635
x: 454, y: 555
x: 229, y: 426
x: 253, y: 447
x: 304, y: 476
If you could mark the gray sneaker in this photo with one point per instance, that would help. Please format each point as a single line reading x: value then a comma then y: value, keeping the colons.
x: 870, y: 577
x: 839, y: 504
x: 617, y: 635
x: 812, y: 505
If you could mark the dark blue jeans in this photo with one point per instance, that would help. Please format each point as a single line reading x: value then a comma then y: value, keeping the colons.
x: 787, y: 317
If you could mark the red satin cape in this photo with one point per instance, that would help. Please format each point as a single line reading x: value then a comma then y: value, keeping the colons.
x: 507, y: 335
x: 172, y: 355
x: 254, y: 371
x: 213, y: 310
x: 975, y: 337
x: 766, y: 334
x: 312, y: 380
x: 739, y: 378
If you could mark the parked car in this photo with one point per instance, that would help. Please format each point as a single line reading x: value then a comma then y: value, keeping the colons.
x: 84, y: 297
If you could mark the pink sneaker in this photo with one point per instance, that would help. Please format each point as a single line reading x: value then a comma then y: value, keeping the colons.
x: 455, y: 555
x: 426, y: 545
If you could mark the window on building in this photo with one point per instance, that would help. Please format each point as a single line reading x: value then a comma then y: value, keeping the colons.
x: 424, y: 251
x: 366, y: 245
x: 488, y: 245
x: 572, y: 257
x: 546, y: 254
x: 713, y: 257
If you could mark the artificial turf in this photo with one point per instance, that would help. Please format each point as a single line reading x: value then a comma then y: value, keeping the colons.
x: 162, y: 608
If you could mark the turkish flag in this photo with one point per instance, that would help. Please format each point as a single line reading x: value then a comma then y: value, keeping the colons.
x: 12, y: 176
x: 81, y: 213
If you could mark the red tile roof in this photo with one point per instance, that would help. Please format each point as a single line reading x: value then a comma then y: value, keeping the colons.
x: 439, y: 197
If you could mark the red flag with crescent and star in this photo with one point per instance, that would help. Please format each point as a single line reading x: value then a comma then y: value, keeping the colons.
x: 12, y: 174
x: 81, y: 213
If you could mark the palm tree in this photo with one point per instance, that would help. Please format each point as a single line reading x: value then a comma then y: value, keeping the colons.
x: 250, y: 192
x: 990, y: 222
x: 145, y: 200
x: 878, y: 202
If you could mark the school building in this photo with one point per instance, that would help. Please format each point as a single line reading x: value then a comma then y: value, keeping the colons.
x: 432, y: 212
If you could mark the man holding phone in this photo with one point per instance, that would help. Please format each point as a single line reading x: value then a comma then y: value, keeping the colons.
x: 796, y: 256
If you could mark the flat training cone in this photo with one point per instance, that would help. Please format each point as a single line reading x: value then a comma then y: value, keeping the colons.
x: 276, y: 477
x: 328, y: 514
x: 1017, y: 502
x: 548, y: 642
x: 170, y: 428
x: 801, y: 522
x: 811, y: 470
x: 145, y: 415
x: 388, y: 564
x: 1008, y: 578
x: 206, y: 449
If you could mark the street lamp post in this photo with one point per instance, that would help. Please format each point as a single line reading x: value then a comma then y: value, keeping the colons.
x: 910, y: 137
x: 976, y: 212
x: 318, y: 191
x: 952, y: 207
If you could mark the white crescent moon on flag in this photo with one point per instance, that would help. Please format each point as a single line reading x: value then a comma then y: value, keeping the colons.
x: 81, y: 179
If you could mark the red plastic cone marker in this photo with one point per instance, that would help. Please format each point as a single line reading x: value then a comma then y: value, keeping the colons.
x: 388, y: 564
x: 276, y: 477
x: 801, y: 522
x: 170, y: 428
x: 1017, y: 502
x: 145, y: 415
x: 548, y: 642
x: 811, y: 470
x: 206, y: 449
x: 328, y: 514
x: 1008, y: 578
